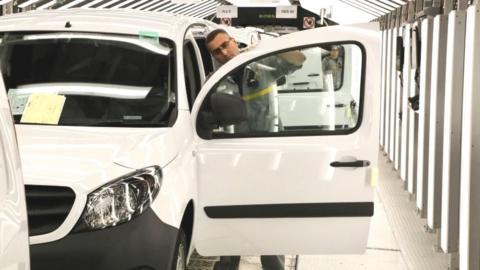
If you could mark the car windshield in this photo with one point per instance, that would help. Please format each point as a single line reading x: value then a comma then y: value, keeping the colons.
x: 81, y: 79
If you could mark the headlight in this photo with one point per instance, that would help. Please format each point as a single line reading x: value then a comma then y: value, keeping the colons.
x: 121, y: 200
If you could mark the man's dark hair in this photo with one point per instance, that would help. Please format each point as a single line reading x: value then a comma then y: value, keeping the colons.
x: 211, y: 36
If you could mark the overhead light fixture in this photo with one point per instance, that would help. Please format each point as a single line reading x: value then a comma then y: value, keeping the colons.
x: 185, y: 1
x: 265, y: 1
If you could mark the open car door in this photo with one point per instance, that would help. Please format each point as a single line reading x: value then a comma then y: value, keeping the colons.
x: 287, y: 139
x: 14, y: 248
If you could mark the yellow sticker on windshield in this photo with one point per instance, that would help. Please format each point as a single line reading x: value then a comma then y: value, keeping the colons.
x: 43, y: 109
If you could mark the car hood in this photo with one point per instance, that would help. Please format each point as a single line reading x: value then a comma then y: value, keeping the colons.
x: 87, y: 157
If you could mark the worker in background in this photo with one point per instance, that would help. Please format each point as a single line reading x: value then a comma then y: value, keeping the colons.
x: 333, y: 64
x: 252, y: 84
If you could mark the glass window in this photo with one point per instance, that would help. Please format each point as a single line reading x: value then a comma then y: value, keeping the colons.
x: 286, y: 94
x: 103, y: 80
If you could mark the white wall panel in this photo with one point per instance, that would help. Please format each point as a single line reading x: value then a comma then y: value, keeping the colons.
x: 437, y: 103
x: 469, y: 245
x: 405, y: 94
x: 413, y: 118
x: 424, y: 113
x: 452, y: 131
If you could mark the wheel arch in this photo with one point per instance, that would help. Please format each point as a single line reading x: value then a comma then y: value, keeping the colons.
x: 187, y: 223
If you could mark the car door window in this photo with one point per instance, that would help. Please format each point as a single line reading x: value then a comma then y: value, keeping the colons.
x: 277, y: 95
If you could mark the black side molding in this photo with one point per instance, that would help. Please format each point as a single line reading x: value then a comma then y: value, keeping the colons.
x: 300, y: 210
x: 356, y: 163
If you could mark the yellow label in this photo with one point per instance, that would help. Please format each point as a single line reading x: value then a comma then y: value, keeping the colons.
x: 43, y: 109
x: 374, y: 177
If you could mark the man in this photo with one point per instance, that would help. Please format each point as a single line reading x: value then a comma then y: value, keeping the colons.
x: 253, y: 86
x: 255, y: 82
x: 333, y: 64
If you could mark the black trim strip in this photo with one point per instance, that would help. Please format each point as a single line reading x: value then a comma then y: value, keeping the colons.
x: 300, y: 210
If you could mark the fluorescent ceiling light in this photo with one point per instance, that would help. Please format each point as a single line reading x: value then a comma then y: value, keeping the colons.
x: 256, y: 3
x: 185, y: 1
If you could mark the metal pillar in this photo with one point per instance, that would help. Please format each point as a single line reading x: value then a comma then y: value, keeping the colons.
x: 405, y: 138
x: 383, y: 22
x: 393, y: 88
x: 398, y: 90
x: 413, y: 117
x: 424, y: 114
x: 437, y: 102
x: 452, y: 131
x: 469, y: 243
x: 388, y: 83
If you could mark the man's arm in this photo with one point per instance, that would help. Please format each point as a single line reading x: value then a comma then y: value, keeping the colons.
x: 295, y: 58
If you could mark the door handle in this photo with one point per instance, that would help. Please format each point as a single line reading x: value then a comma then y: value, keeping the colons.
x: 356, y: 163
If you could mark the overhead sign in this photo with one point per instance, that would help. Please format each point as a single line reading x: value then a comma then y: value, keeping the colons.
x: 286, y: 12
x: 308, y: 22
x: 226, y: 21
x: 227, y: 12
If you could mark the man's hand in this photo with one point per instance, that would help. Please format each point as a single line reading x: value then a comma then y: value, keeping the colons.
x: 295, y: 58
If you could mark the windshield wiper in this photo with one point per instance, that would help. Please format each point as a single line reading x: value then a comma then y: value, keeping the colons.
x: 116, y: 123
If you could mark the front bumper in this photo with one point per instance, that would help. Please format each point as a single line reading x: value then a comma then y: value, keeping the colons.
x: 142, y: 243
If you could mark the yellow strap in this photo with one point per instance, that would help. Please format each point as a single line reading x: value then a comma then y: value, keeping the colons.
x: 258, y: 94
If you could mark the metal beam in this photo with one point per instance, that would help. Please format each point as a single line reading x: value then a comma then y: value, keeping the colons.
x: 202, y: 5
x: 209, y: 12
x: 190, y: 7
x: 390, y: 3
x: 183, y: 9
x: 91, y: 3
x: 123, y: 4
x: 160, y: 7
x: 149, y: 4
x: 109, y: 3
x: 360, y: 4
x: 361, y: 8
x: 71, y: 4
x: 372, y: 7
x: 25, y: 4
x: 175, y: 8
x: 199, y: 8
x: 380, y: 4
x: 47, y: 5
x: 462, y: 4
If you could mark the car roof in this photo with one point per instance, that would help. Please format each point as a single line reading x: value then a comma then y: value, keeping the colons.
x: 115, y: 21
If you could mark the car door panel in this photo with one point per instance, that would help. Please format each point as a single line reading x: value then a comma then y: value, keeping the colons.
x: 278, y: 193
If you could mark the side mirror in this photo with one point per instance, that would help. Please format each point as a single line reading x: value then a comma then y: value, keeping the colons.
x: 228, y: 109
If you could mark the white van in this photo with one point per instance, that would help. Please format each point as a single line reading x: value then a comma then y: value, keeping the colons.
x: 130, y: 163
x: 14, y: 253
